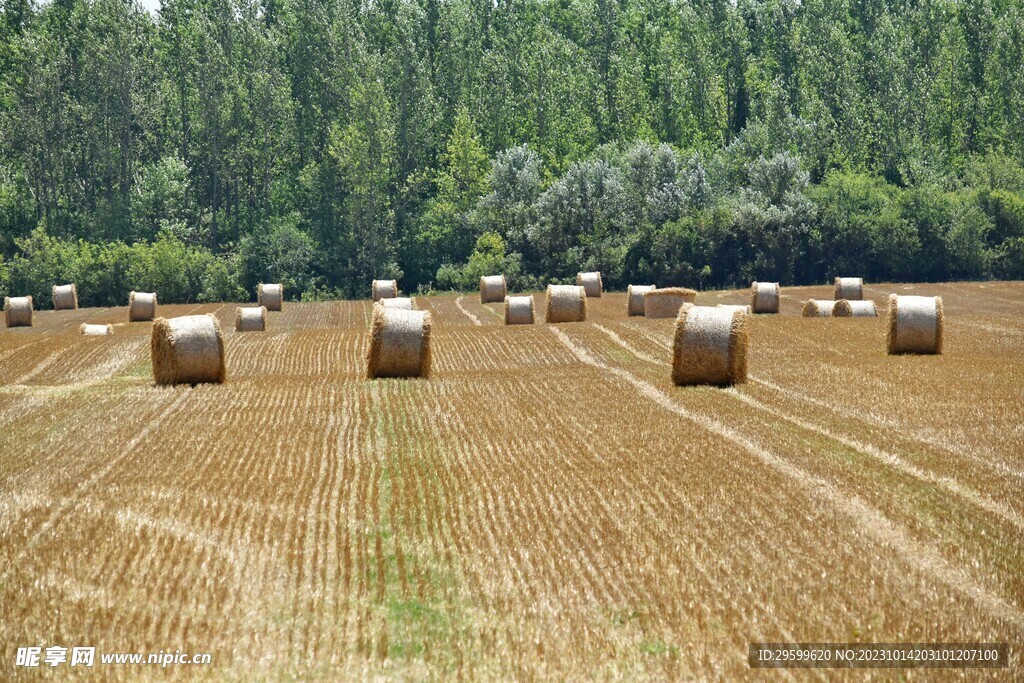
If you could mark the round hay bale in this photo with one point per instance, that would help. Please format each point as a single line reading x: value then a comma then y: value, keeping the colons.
x: 565, y: 304
x: 384, y: 289
x: 403, y: 302
x: 18, y: 311
x: 710, y: 346
x: 251, y: 319
x: 819, y: 308
x: 665, y: 303
x: 97, y: 330
x: 735, y: 307
x: 849, y: 288
x: 270, y: 297
x: 855, y: 309
x: 591, y: 282
x: 65, y: 297
x: 188, y: 350
x: 399, y: 343
x: 915, y: 324
x: 141, y: 306
x: 635, y: 298
x: 492, y: 289
x: 764, y: 297
x: 518, y: 310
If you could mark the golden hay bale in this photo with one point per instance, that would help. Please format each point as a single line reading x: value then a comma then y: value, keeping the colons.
x: 18, y: 311
x: 849, y: 288
x: 399, y: 343
x: 141, y: 306
x: 251, y: 319
x: 188, y: 350
x: 635, y: 298
x: 665, y: 303
x: 710, y: 346
x: 270, y: 297
x: 915, y: 324
x: 518, y: 310
x: 384, y: 289
x: 565, y: 304
x: 591, y: 282
x: 764, y: 297
x: 403, y: 302
x: 492, y: 289
x: 819, y: 308
x: 96, y: 330
x: 65, y: 297
x: 735, y: 307
x: 854, y: 309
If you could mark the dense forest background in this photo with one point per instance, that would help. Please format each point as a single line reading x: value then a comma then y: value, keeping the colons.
x: 219, y: 143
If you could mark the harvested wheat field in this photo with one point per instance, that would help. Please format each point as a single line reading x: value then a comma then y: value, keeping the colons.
x: 548, y: 505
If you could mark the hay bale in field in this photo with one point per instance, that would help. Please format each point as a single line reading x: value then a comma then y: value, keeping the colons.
x: 591, y: 282
x: 849, y: 288
x: 635, y: 298
x: 251, y: 319
x: 492, y: 289
x: 18, y: 311
x: 735, y: 307
x: 399, y: 343
x: 710, y: 346
x: 854, y: 309
x: 270, y: 297
x: 665, y: 303
x: 819, y: 308
x: 915, y: 324
x: 65, y: 297
x: 187, y: 350
x: 764, y: 297
x: 518, y: 310
x: 96, y: 330
x: 384, y: 289
x: 141, y: 306
x: 403, y: 302
x: 565, y: 304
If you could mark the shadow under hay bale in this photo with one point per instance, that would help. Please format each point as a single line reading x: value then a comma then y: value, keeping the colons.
x: 565, y: 304
x: 666, y: 303
x: 492, y: 289
x: 710, y: 347
x: 96, y: 330
x: 635, y: 298
x: 591, y: 283
x: 141, y: 306
x: 855, y: 309
x: 270, y: 296
x: 18, y: 311
x: 188, y: 350
x: 849, y: 288
x: 404, y: 303
x: 399, y: 343
x: 519, y: 310
x: 384, y: 289
x: 65, y: 297
x: 819, y: 308
x: 915, y: 324
x: 251, y: 319
x: 765, y: 297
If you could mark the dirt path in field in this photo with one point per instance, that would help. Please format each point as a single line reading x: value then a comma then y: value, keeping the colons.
x: 476, y: 320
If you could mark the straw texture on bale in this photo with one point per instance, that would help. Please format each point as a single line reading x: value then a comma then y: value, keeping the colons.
x: 403, y: 302
x: 251, y: 319
x: 188, y: 350
x: 270, y: 297
x: 565, y: 304
x: 665, y: 303
x: 399, y: 343
x: 18, y: 311
x: 764, y: 297
x: 65, y: 297
x: 97, y: 330
x: 854, y: 309
x: 735, y: 307
x: 635, y: 298
x: 384, y: 289
x: 849, y: 288
x: 518, y: 310
x: 819, y: 308
x: 141, y: 306
x: 710, y: 346
x: 492, y: 289
x: 915, y: 324
x: 591, y: 282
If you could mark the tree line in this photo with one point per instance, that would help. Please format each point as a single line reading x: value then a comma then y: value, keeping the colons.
x: 321, y: 143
